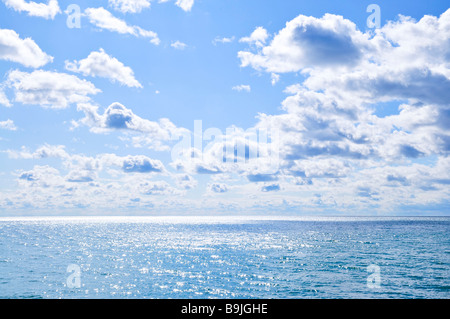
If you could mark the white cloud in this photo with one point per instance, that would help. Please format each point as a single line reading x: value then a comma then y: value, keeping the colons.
x: 275, y: 78
x: 258, y: 37
x: 103, y: 181
x: 404, y: 60
x: 99, y: 63
x: 306, y: 42
x: 235, y: 152
x: 131, y: 164
x: 142, y: 164
x: 320, y: 168
x: 81, y: 176
x: 271, y: 188
x: 242, y: 87
x: 178, y: 45
x: 223, y: 40
x: 118, y: 117
x: 408, y: 60
x: 186, y: 5
x: 47, y: 11
x: 46, y: 151
x: 157, y: 188
x: 74, y: 162
x: 185, y: 181
x: 331, y: 142
x: 103, y: 19
x: 129, y: 6
x: 3, y: 99
x: 335, y: 151
x: 8, y: 125
x: 23, y: 51
x: 41, y: 176
x: 218, y: 188
x: 49, y: 89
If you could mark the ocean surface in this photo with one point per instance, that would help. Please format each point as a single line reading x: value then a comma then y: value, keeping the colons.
x: 224, y: 257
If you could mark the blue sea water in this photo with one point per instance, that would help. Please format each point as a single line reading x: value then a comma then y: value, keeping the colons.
x: 225, y: 257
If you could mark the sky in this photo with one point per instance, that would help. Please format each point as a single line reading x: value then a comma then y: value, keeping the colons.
x: 192, y: 107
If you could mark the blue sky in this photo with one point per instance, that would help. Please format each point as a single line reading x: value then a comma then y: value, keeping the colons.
x: 96, y: 119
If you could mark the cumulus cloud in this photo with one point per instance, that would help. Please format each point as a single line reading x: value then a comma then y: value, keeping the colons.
x: 316, y: 126
x: 118, y: 117
x: 320, y: 168
x: 81, y: 176
x: 23, y: 51
x: 333, y: 147
x: 271, y: 188
x: 49, y: 89
x: 47, y: 11
x: 106, y: 180
x: 235, y: 151
x: 83, y: 164
x: 405, y: 59
x: 336, y: 148
x: 387, y: 186
x: 305, y: 42
x: 45, y: 151
x: 99, y: 63
x: 332, y: 112
x: 275, y: 78
x: 242, y: 87
x: 157, y: 188
x: 141, y: 164
x: 41, y: 176
x: 218, y: 188
x: 262, y: 177
x: 103, y: 19
x: 223, y: 40
x: 8, y: 125
x: 129, y: 6
x: 186, y: 5
x: 3, y: 99
x: 178, y: 45
x: 136, y: 6
x: 185, y: 181
x: 258, y: 37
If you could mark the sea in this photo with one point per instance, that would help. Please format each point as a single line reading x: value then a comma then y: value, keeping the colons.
x: 246, y: 257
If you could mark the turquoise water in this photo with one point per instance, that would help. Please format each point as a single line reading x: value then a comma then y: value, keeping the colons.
x: 224, y: 257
